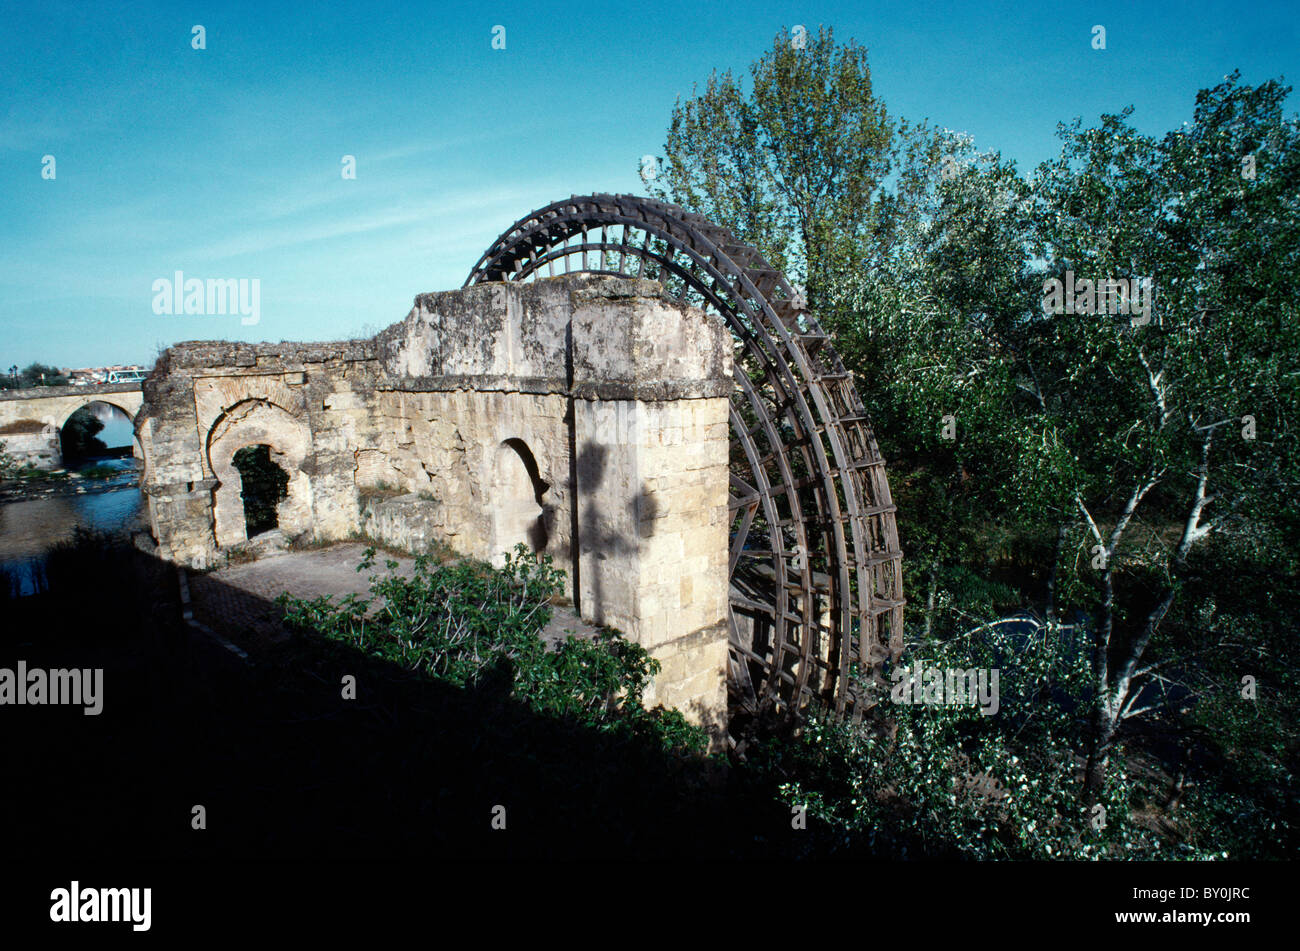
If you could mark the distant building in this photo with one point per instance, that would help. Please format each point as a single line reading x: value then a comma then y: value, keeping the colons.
x: 118, y: 373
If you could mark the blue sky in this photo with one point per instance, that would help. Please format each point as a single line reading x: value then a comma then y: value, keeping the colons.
x: 225, y: 162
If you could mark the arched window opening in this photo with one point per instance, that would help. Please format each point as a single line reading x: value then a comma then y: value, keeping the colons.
x: 517, y: 498
x: 264, y: 485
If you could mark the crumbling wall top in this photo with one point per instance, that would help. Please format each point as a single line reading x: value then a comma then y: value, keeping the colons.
x: 596, y: 336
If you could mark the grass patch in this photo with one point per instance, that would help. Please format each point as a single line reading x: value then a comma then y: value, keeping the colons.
x: 34, y: 475
x: 380, y: 491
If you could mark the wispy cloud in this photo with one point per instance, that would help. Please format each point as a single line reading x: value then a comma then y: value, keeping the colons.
x: 257, y: 237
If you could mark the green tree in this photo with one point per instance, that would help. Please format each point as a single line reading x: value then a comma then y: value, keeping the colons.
x: 1161, y: 435
x: 1114, y: 448
x: 1163, y: 452
x: 39, y: 374
x: 80, y: 436
x: 466, y: 622
x: 792, y: 164
x: 871, y: 214
x: 931, y: 325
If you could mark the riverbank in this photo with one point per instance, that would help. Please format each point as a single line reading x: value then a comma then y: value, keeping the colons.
x: 62, y: 483
x: 32, y: 524
x: 38, y: 491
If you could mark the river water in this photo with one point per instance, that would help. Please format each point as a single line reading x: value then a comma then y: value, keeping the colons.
x: 29, y: 529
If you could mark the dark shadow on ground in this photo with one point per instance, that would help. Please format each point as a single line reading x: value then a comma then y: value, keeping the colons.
x: 286, y: 768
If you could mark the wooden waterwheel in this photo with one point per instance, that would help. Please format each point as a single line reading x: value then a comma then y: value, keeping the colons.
x: 816, y: 571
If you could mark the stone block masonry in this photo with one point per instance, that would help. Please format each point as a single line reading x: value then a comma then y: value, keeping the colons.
x: 584, y: 416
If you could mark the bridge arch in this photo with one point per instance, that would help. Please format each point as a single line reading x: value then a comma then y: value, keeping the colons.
x: 67, y: 411
x: 816, y: 579
x: 58, y: 435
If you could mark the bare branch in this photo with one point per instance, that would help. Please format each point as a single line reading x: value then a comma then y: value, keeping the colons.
x: 1139, y: 492
x: 1139, y: 646
x: 1193, y: 530
x: 1096, y: 532
x: 1159, y: 389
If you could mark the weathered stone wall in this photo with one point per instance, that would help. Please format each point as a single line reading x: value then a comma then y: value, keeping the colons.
x: 31, y: 443
x: 583, y: 416
x: 653, y: 536
x: 493, y: 466
x: 206, y: 400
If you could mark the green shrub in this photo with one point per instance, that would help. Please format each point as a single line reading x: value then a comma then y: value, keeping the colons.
x: 33, y: 474
x: 462, y: 621
x: 948, y: 781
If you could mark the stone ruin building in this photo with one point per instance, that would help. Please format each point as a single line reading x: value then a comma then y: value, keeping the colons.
x: 585, y: 417
x: 620, y: 384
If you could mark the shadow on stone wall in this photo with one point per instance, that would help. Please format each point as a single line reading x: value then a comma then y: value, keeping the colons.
x: 596, y: 537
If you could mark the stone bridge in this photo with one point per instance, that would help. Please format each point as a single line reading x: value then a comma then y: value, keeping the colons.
x: 31, y: 419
